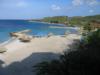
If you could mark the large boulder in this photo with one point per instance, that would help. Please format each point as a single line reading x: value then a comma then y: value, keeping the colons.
x: 25, y: 38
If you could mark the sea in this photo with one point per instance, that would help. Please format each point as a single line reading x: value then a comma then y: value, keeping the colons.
x: 38, y: 28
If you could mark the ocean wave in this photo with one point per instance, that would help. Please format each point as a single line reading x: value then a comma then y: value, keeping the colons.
x: 8, y: 41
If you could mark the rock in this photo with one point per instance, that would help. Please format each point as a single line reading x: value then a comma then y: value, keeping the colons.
x: 50, y: 34
x: 25, y: 31
x: 3, y: 49
x: 17, y: 34
x: 13, y: 34
x: 21, y: 35
x: 25, y: 38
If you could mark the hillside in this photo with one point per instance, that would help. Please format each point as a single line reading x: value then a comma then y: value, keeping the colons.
x: 69, y: 21
x: 56, y: 19
x: 82, y: 20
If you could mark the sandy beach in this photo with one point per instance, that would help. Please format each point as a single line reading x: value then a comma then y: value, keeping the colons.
x: 20, y: 56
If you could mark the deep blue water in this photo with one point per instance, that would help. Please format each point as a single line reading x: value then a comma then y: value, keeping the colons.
x: 7, y: 26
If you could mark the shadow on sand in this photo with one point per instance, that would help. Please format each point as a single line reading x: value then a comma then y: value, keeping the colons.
x: 24, y: 67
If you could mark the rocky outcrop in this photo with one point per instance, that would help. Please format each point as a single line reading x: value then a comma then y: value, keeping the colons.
x: 21, y: 35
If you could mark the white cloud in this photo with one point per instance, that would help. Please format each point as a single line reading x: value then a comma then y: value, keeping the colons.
x: 77, y: 2
x: 55, y: 7
x: 85, y: 2
x: 92, y: 2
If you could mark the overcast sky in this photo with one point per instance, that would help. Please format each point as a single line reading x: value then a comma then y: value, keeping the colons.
x: 28, y: 9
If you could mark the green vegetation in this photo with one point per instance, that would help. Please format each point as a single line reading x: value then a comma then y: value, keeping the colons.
x: 71, y: 21
x: 56, y: 19
x: 90, y: 18
x: 84, y: 61
x: 82, y: 21
x: 75, y: 21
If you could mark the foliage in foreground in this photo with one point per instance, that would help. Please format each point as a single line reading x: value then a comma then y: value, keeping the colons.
x: 84, y: 61
x: 54, y: 67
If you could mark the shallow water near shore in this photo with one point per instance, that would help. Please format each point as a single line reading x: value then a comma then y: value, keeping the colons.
x: 40, y: 29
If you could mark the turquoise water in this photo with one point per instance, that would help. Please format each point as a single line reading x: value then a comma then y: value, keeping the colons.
x: 40, y: 29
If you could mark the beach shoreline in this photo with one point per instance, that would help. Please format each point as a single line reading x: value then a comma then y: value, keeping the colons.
x: 44, y: 48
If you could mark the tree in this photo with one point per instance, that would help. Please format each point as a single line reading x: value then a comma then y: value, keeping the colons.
x: 87, y: 27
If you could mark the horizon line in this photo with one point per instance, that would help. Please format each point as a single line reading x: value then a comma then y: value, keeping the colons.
x: 45, y: 16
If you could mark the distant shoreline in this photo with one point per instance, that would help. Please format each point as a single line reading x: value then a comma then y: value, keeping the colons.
x: 60, y: 25
x: 47, y: 23
x: 64, y: 27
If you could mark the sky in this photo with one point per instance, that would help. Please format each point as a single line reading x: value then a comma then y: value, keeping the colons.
x: 34, y: 9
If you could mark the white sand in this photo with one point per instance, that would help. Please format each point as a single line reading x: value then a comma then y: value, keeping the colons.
x: 20, y: 57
